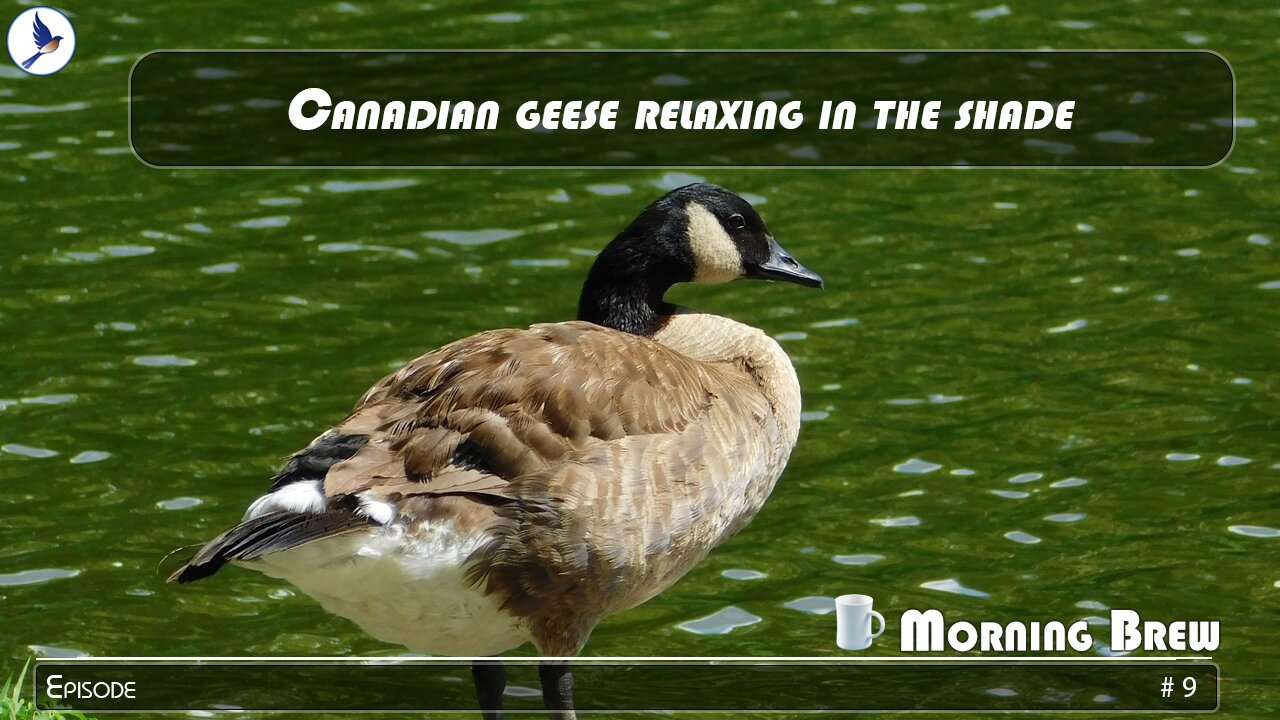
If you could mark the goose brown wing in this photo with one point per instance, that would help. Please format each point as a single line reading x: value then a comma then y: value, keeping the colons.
x: 477, y: 414
x: 529, y: 423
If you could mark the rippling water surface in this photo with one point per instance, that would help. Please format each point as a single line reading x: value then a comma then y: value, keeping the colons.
x: 1028, y: 394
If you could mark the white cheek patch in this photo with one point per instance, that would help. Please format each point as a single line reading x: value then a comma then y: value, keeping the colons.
x: 716, y: 257
x: 299, y: 497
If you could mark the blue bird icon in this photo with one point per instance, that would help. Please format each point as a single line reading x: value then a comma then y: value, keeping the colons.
x: 46, y: 42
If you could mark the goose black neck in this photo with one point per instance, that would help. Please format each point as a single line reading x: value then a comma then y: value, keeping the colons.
x: 624, y: 289
x: 626, y: 294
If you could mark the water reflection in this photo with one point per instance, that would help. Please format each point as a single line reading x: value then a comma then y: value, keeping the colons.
x: 916, y: 466
x: 1232, y: 461
x: 473, y: 237
x: 35, y: 577
x: 903, y: 521
x: 742, y: 574
x: 609, y: 189
x: 179, y: 503
x: 720, y: 622
x: 858, y: 559
x: 27, y: 450
x: 163, y: 361
x: 1257, y: 531
x: 955, y: 587
x: 814, y: 604
x: 361, y: 186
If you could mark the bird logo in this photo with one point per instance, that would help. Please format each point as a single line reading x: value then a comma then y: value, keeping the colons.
x: 46, y: 42
x: 54, y: 40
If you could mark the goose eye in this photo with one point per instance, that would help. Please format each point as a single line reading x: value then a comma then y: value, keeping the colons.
x: 737, y: 222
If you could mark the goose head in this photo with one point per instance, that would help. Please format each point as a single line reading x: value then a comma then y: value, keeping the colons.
x: 728, y: 241
x: 697, y: 233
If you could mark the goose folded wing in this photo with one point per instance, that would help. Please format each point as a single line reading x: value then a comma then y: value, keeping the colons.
x: 477, y: 415
x: 496, y: 417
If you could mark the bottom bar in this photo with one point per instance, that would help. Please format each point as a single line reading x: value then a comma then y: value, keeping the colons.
x: 444, y: 685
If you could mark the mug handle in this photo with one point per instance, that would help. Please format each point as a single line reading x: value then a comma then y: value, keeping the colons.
x: 879, y: 617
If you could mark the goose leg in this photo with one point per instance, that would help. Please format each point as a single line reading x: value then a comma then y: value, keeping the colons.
x: 490, y: 677
x: 557, y: 690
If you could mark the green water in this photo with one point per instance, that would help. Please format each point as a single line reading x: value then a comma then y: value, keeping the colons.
x: 169, y: 336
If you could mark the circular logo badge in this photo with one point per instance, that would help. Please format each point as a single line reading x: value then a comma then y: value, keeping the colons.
x: 41, y: 41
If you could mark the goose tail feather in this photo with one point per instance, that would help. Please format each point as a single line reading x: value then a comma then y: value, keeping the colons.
x: 272, y: 532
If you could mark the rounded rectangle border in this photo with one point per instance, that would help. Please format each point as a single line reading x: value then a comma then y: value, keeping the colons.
x: 883, y: 684
x: 1142, y: 108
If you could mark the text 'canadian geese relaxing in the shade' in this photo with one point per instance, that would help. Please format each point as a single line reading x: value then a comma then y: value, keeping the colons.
x: 522, y: 485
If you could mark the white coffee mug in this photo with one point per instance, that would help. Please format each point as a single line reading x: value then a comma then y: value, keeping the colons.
x: 853, y: 622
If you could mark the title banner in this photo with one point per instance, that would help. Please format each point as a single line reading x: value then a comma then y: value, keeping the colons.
x: 681, y: 109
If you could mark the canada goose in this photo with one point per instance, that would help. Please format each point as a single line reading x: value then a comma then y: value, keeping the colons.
x: 521, y: 485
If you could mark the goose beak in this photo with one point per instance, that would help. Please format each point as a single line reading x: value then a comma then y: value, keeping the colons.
x: 782, y: 267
